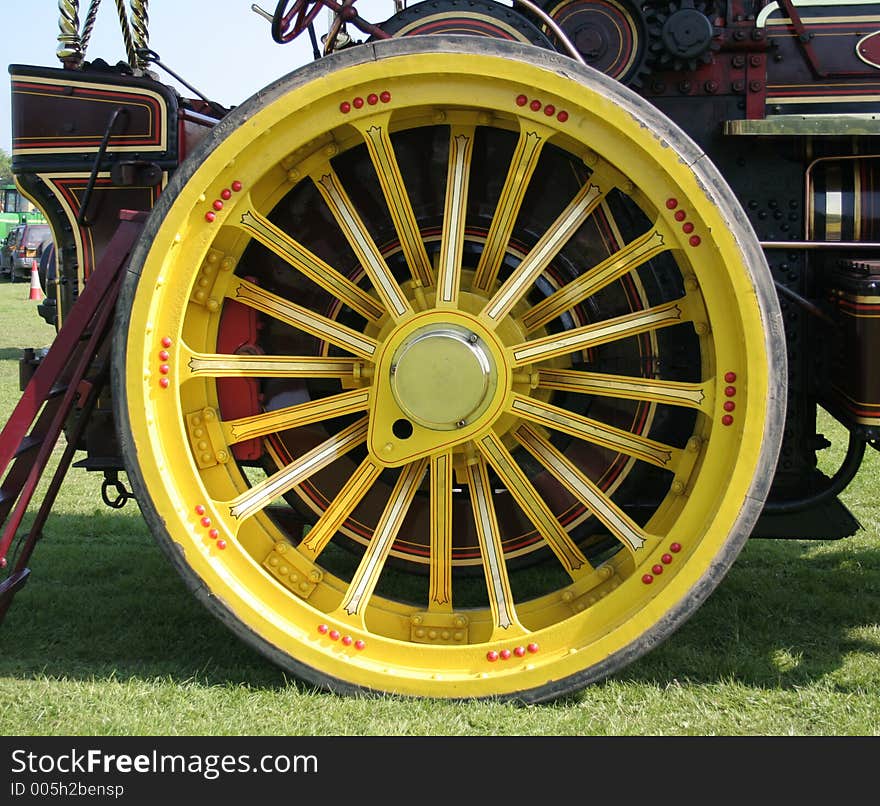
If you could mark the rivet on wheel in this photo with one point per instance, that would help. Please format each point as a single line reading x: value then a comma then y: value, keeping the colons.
x: 647, y: 579
x: 491, y: 656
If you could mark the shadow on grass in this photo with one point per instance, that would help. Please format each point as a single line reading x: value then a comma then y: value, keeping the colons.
x: 785, y: 616
x: 103, y: 602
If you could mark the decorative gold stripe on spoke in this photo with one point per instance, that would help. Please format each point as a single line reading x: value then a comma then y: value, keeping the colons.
x: 581, y: 338
x: 533, y: 505
x: 295, y: 416
x: 491, y: 550
x: 620, y: 524
x: 522, y: 166
x: 399, y: 206
x: 440, y: 594
x: 672, y: 393
x: 304, y: 319
x: 367, y: 575
x: 461, y: 144
x: 632, y: 256
x: 342, y: 505
x: 615, y: 439
x: 268, y: 366
x: 262, y: 494
x: 310, y: 265
x: 578, y: 210
x: 363, y: 245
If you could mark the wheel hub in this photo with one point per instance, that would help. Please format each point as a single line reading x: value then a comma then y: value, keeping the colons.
x: 443, y: 377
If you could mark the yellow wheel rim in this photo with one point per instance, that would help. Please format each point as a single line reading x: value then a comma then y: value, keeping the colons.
x: 493, y: 328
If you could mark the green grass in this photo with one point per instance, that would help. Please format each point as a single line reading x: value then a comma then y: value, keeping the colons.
x: 105, y: 639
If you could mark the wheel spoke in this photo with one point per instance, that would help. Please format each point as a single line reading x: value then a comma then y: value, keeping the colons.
x: 218, y: 365
x: 522, y: 166
x: 304, y: 319
x: 620, y: 524
x: 310, y: 265
x: 295, y: 416
x: 363, y: 245
x: 533, y: 505
x: 520, y: 281
x: 491, y: 550
x: 440, y: 593
x: 581, y: 338
x: 633, y: 255
x: 381, y: 150
x: 342, y: 505
x: 461, y: 143
x: 671, y: 393
x: 589, y: 430
x: 261, y: 495
x: 366, y: 576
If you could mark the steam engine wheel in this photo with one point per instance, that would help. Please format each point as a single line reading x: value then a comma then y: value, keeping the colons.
x: 447, y: 371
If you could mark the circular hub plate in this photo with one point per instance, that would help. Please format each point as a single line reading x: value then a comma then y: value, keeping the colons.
x: 443, y: 377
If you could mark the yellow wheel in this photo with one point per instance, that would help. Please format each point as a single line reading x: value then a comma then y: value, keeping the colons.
x: 449, y: 369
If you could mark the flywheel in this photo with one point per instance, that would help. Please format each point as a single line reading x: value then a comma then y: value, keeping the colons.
x: 449, y: 367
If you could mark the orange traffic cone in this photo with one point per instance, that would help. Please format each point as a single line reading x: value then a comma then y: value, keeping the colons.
x: 36, y: 291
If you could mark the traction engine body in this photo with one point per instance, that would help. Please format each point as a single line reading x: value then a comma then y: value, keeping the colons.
x: 510, y: 334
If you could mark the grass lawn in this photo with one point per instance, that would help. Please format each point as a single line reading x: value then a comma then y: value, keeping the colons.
x: 105, y: 640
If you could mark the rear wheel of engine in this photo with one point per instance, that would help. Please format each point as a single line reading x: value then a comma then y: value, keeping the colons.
x: 448, y: 371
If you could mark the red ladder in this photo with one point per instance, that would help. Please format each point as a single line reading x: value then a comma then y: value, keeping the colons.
x: 72, y: 374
